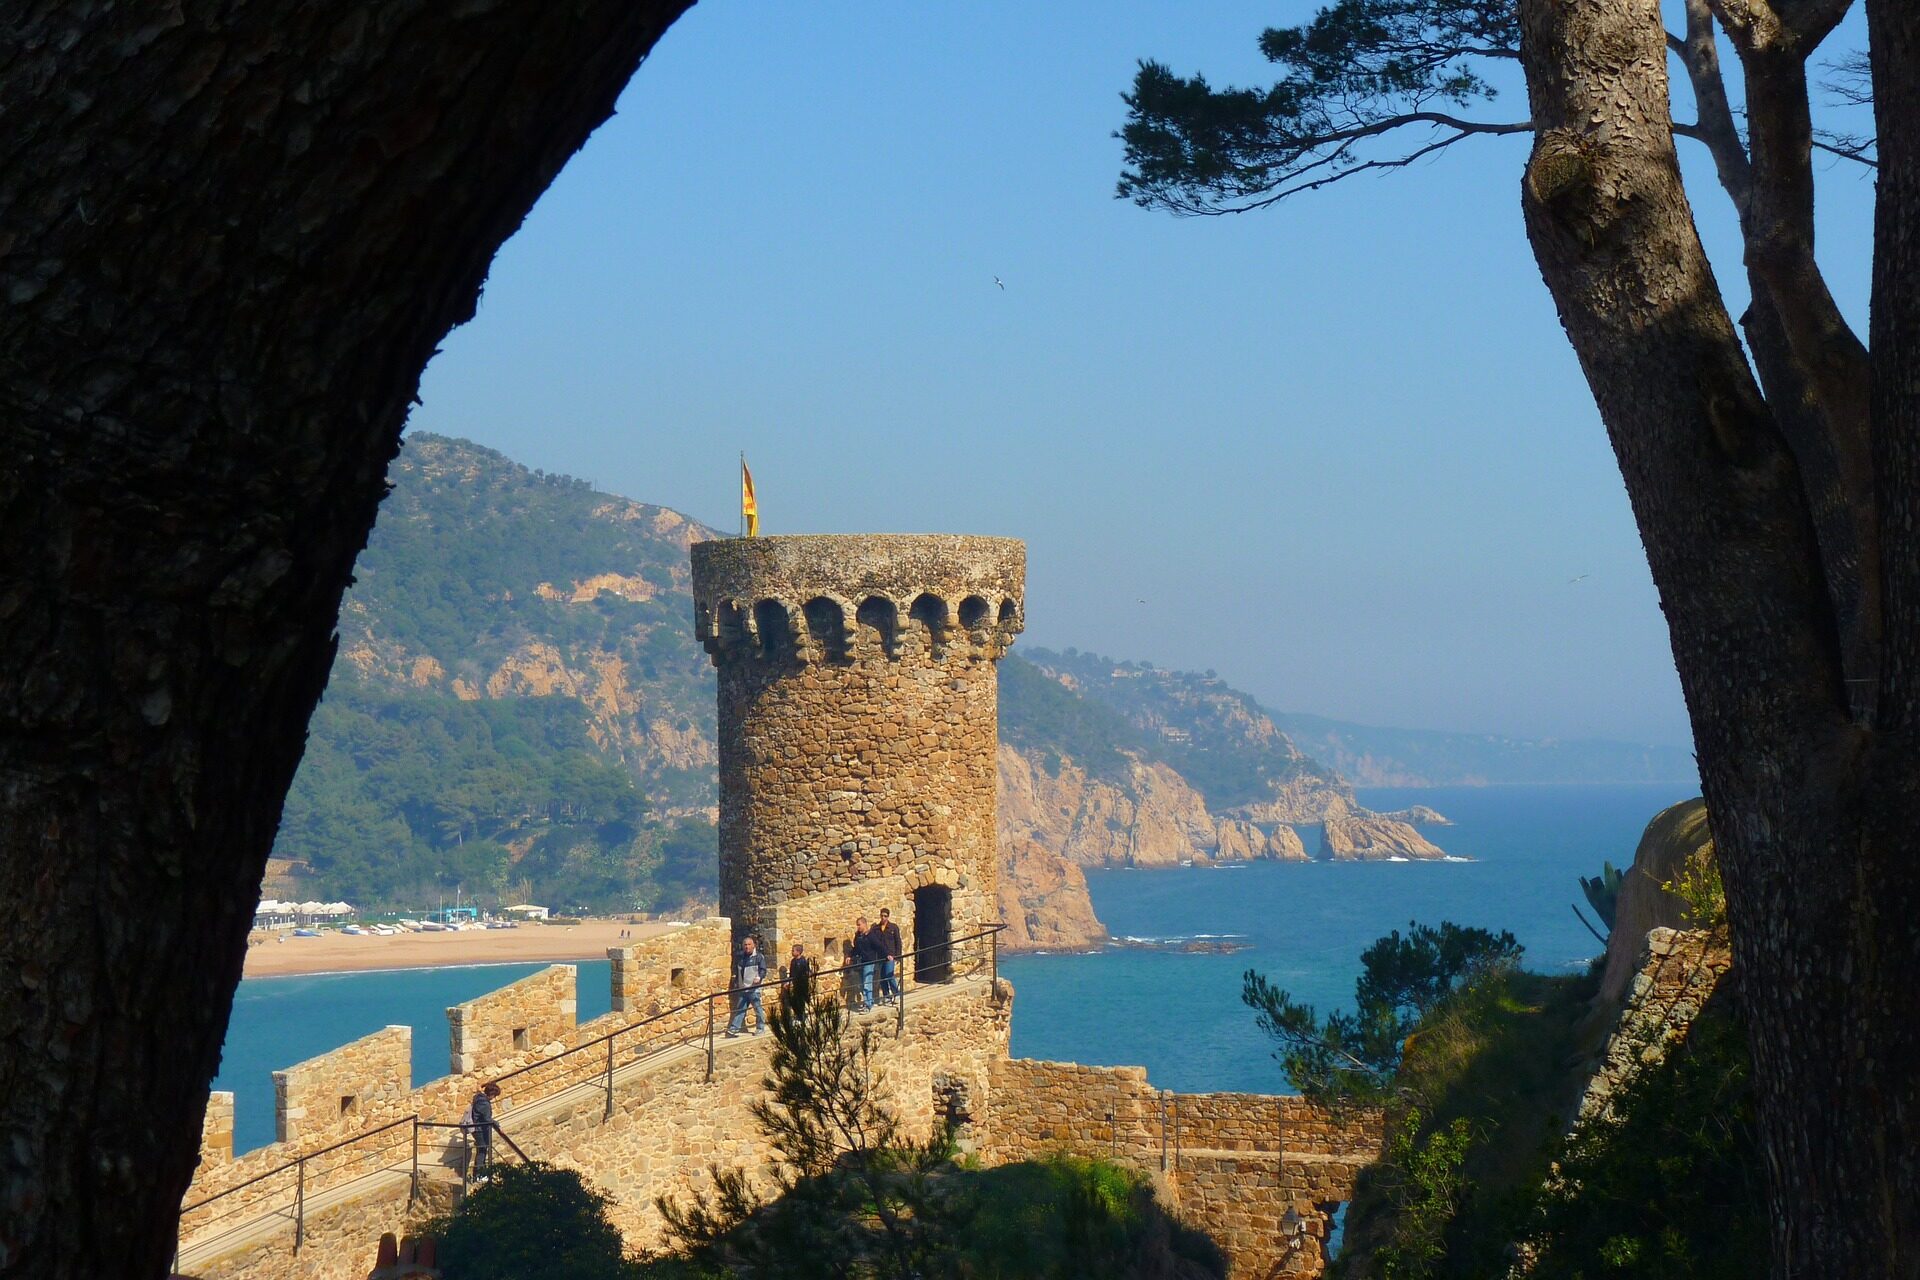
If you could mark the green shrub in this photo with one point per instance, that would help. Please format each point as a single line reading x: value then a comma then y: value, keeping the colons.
x: 1698, y: 885
x: 532, y: 1220
x: 1670, y: 1186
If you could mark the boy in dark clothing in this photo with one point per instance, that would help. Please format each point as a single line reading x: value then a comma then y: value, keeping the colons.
x: 890, y: 957
x: 480, y: 1128
x: 749, y: 971
x: 800, y: 978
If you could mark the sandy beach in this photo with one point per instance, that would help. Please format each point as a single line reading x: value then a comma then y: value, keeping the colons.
x: 335, y: 952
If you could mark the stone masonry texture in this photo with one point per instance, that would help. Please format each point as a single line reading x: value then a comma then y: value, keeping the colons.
x: 858, y: 711
x: 1260, y: 1174
x: 327, y: 1095
x: 537, y: 1010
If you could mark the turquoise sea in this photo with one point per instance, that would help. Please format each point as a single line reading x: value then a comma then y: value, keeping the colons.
x: 1176, y: 1013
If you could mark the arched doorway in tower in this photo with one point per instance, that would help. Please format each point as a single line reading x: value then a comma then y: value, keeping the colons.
x: 932, y: 933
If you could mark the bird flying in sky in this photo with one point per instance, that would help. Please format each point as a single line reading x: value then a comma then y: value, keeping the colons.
x: 997, y: 280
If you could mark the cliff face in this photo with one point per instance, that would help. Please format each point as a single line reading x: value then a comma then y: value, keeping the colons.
x: 1352, y: 834
x: 1044, y: 902
x: 1152, y: 817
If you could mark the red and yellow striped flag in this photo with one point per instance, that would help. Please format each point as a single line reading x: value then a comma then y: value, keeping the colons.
x: 749, y: 508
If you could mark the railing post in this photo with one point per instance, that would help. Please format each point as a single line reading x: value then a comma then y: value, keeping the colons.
x: 609, y: 1114
x: 1163, y: 1129
x: 300, y: 1204
x: 900, y: 1005
x: 710, y: 1000
x: 413, y: 1186
x: 993, y: 988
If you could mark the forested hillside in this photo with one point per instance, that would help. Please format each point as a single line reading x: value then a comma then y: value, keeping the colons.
x: 518, y: 706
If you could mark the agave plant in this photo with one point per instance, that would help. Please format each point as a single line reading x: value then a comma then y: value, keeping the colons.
x: 1603, y: 892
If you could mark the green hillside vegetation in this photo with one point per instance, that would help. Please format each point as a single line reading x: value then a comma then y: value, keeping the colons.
x: 1038, y: 714
x: 409, y: 790
x: 1223, y: 742
x: 1480, y: 1065
x: 404, y: 796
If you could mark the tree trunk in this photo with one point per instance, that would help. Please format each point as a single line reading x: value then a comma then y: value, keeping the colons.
x: 230, y: 236
x: 1812, y: 812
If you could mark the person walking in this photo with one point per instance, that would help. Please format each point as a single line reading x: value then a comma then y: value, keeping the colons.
x: 480, y: 1129
x: 749, y: 972
x: 890, y: 953
x: 867, y: 954
x: 800, y: 979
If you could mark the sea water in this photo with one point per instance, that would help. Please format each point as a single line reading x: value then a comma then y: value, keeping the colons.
x: 1303, y: 925
x: 1175, y: 1012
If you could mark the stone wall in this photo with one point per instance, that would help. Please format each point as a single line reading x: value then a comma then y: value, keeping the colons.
x: 857, y: 712
x: 671, y: 968
x: 379, y: 1132
x: 340, y: 1240
x: 538, y: 1010
x: 216, y: 1130
x: 670, y: 1125
x: 330, y: 1094
x: 1260, y: 1174
x: 670, y: 1121
x: 1678, y: 972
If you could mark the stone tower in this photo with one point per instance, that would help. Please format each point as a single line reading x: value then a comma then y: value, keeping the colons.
x: 858, y: 729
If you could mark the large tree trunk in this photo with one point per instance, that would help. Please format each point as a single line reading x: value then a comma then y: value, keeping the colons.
x: 230, y: 235
x: 1813, y: 811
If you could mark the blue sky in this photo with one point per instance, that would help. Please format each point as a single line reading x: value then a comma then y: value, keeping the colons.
x: 1338, y: 450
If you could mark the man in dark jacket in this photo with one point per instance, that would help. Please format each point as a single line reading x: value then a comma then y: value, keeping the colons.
x: 749, y: 971
x: 800, y: 979
x: 889, y: 957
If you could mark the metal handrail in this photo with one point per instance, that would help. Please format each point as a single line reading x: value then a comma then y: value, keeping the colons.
x: 583, y: 1046
x: 298, y: 1164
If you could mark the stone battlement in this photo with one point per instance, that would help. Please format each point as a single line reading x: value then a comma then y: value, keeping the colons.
x: 846, y: 598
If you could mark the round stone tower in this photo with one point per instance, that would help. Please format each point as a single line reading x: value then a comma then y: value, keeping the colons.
x: 858, y: 728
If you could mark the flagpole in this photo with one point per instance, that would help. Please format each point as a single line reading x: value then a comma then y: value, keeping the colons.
x: 743, y: 505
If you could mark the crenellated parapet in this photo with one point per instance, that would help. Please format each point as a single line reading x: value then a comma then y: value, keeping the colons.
x: 845, y: 598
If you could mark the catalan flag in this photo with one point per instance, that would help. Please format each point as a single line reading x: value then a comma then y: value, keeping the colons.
x: 749, y: 508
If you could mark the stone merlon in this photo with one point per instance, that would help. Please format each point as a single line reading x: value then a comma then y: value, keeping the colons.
x: 834, y: 596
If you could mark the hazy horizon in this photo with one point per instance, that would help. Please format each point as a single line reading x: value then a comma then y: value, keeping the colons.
x: 1338, y: 451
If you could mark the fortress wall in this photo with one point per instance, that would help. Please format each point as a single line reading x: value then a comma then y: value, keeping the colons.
x: 824, y: 921
x: 340, y: 1242
x: 1679, y: 972
x: 670, y: 1124
x: 328, y: 1095
x: 1255, y: 1121
x: 670, y: 968
x: 1259, y: 1173
x: 343, y: 1071
x: 1039, y: 1108
x: 535, y: 1011
x: 216, y: 1130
